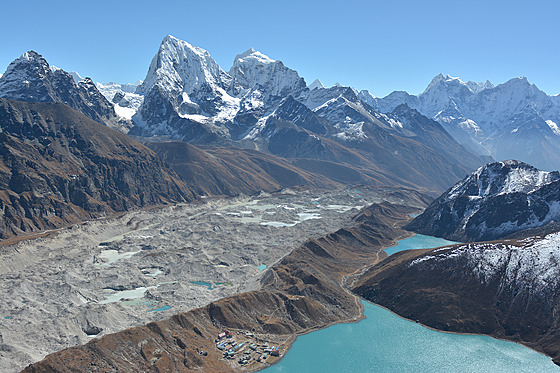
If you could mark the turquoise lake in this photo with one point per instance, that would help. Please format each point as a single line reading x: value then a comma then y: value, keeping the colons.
x: 384, y: 342
x: 418, y: 242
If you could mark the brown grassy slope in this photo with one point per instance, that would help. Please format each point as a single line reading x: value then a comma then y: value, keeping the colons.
x: 232, y: 171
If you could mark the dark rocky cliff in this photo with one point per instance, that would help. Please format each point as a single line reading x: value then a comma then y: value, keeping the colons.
x: 58, y: 167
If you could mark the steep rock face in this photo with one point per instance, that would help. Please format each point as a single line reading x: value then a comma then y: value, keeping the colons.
x: 264, y: 83
x: 253, y: 70
x: 506, y: 289
x: 184, y: 82
x: 30, y: 78
x: 494, y: 120
x: 58, y: 166
x: 498, y: 199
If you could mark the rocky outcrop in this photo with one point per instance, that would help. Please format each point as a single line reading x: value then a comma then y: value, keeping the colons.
x: 508, y: 290
x: 496, y: 201
x: 59, y: 167
x: 302, y: 292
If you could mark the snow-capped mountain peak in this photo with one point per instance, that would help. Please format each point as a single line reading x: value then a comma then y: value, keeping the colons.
x: 476, y: 87
x: 181, y: 67
x: 503, y: 177
x: 77, y: 77
x: 436, y: 80
x: 253, y: 55
x: 450, y: 81
x: 253, y: 70
x: 185, y: 80
x: 496, y: 200
x: 316, y: 84
x: 30, y: 61
x: 31, y: 78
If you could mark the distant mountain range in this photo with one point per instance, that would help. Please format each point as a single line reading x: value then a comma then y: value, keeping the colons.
x: 187, y: 96
x: 513, y: 120
x: 263, y: 105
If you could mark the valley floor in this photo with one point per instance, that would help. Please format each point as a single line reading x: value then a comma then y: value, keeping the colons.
x: 107, y: 275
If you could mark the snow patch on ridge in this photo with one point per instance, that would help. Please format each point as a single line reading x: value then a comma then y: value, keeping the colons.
x: 554, y: 127
x: 503, y: 177
x: 533, y: 265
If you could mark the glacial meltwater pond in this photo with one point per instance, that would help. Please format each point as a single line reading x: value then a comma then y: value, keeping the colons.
x: 384, y: 342
x: 418, y: 241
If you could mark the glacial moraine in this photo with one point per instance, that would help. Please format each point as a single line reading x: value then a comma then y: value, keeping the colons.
x: 109, y: 274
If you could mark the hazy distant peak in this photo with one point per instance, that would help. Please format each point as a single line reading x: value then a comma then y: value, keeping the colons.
x: 252, y: 56
x: 77, y: 77
x: 316, y: 84
x: 476, y: 87
x: 448, y: 80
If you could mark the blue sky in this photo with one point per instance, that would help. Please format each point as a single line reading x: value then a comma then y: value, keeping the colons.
x: 376, y: 45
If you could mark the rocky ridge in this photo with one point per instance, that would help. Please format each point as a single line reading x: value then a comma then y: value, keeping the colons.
x: 59, y: 167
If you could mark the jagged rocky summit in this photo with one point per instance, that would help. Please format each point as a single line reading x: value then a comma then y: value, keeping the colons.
x: 497, y: 200
x: 30, y: 78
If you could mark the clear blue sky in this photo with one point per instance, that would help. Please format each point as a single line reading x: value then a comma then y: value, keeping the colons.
x: 376, y: 45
